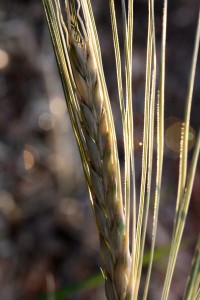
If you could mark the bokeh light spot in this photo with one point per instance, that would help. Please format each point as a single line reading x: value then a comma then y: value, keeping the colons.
x: 4, y: 59
x: 29, y: 159
x: 8, y: 206
x: 58, y: 106
x: 46, y: 121
x: 190, y: 136
x: 173, y: 135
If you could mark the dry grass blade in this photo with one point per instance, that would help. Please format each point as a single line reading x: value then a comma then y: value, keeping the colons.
x: 194, y: 278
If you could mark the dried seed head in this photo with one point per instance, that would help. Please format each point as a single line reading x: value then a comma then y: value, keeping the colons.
x: 96, y: 126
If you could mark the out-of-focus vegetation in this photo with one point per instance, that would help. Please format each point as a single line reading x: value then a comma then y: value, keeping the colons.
x: 48, y: 237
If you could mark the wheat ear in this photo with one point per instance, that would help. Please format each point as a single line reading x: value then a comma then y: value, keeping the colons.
x: 106, y: 198
x: 95, y: 134
x: 103, y: 170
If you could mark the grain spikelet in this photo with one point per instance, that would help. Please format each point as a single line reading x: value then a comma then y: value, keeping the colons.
x: 101, y: 157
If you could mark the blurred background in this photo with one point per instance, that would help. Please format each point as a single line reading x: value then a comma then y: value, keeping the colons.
x: 48, y: 238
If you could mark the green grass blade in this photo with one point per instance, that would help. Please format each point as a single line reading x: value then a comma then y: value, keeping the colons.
x: 184, y: 152
x: 197, y: 297
x: 181, y: 222
x: 185, y: 129
x: 183, y: 199
x: 81, y: 286
x: 194, y: 278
